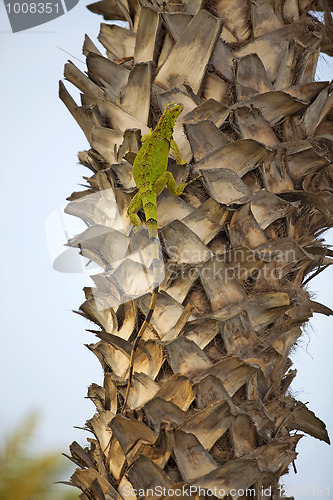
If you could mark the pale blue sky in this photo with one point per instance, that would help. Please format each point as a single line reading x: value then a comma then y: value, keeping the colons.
x: 44, y: 364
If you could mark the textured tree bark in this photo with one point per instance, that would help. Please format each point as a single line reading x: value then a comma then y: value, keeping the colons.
x: 210, y: 410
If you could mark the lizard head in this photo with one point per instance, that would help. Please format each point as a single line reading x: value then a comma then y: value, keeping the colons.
x: 175, y: 110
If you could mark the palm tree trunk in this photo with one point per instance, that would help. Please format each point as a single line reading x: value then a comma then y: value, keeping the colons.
x: 210, y: 406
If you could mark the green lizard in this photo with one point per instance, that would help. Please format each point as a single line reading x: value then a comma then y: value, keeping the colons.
x: 151, y: 177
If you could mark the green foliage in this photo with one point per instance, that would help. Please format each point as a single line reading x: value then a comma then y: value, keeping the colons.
x: 25, y: 476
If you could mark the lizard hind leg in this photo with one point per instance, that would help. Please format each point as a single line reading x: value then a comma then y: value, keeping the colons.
x: 133, y: 209
x: 174, y: 188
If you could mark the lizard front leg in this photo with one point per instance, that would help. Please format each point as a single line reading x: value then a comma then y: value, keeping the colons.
x: 176, y: 152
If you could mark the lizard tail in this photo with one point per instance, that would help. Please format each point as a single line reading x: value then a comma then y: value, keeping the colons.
x: 152, y: 230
